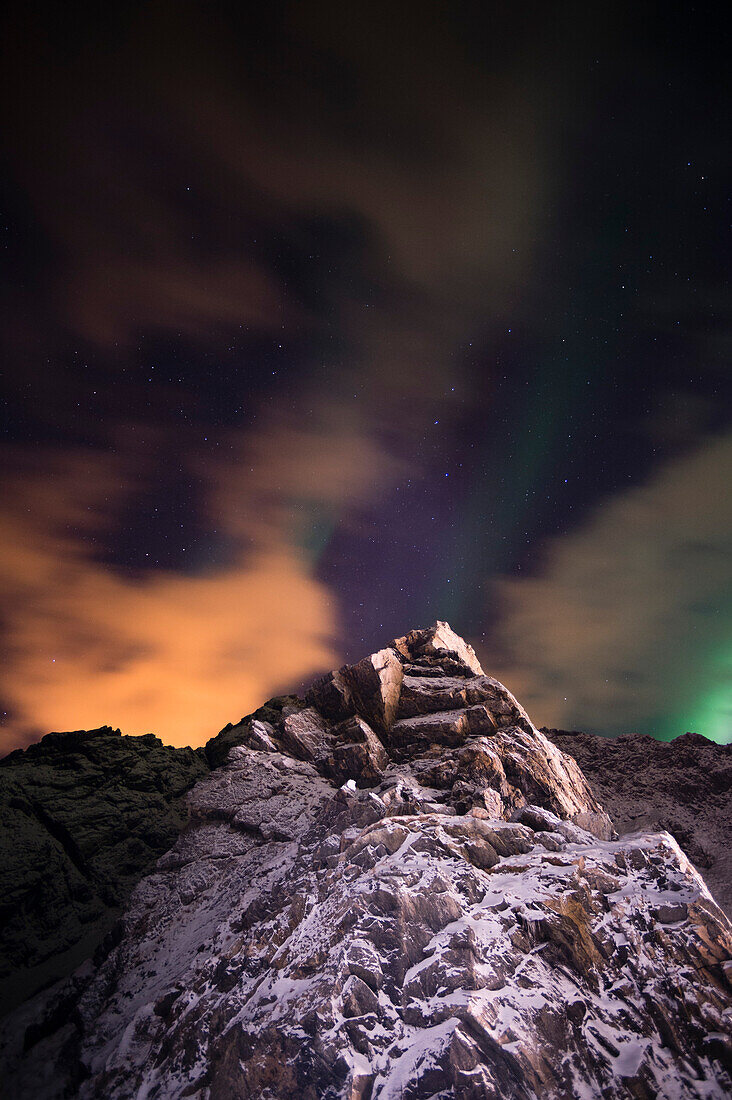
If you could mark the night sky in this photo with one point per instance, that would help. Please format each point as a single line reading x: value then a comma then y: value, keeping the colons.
x: 328, y: 321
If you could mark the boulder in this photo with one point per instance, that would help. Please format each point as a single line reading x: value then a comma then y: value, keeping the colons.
x: 306, y: 735
x: 331, y: 695
x: 359, y: 754
x: 375, y: 686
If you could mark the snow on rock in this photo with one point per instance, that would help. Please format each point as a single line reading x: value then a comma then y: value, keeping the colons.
x: 683, y: 786
x: 458, y: 921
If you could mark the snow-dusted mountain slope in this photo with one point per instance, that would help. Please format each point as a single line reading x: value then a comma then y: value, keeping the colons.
x: 682, y: 786
x: 398, y: 890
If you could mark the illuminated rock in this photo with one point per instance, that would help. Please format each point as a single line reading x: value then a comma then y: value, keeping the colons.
x: 437, y: 907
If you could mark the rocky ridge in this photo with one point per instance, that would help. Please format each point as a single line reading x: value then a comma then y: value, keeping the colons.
x: 83, y: 815
x: 397, y: 889
x: 682, y: 786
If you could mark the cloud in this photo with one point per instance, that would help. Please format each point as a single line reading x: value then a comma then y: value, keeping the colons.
x: 160, y: 173
x: 175, y: 654
x: 376, y: 192
x: 110, y: 301
x: 626, y: 624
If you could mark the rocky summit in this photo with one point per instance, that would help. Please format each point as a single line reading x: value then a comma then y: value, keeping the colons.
x: 395, y: 889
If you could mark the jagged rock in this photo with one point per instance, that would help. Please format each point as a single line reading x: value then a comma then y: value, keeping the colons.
x: 271, y: 713
x: 306, y: 735
x: 425, y: 694
x: 435, y: 954
x: 468, y: 926
x: 359, y: 754
x: 259, y: 793
x: 375, y: 685
x: 441, y: 644
x: 331, y: 695
x: 84, y: 815
x: 450, y: 727
x: 422, y: 695
x: 517, y: 766
x: 682, y: 786
x: 261, y: 736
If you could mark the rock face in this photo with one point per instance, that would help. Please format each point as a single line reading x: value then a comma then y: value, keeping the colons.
x: 682, y: 786
x: 400, y: 890
x: 83, y: 816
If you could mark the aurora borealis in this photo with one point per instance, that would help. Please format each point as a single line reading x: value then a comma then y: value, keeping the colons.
x: 329, y: 321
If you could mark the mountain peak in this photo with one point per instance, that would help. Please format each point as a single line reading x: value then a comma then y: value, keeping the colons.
x: 395, y: 887
x: 438, y: 641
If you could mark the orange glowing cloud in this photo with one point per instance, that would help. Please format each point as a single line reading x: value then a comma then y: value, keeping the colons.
x: 175, y: 654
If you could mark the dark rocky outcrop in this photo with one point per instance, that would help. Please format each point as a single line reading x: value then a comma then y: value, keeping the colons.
x: 83, y: 816
x: 683, y: 786
x: 270, y: 713
x: 389, y: 891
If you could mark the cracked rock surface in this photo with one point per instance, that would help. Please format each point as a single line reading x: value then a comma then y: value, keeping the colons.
x: 398, y: 890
